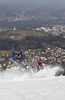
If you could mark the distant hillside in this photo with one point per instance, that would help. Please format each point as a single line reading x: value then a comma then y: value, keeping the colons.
x: 32, y: 42
x: 22, y: 17
x: 43, y: 42
x: 20, y: 34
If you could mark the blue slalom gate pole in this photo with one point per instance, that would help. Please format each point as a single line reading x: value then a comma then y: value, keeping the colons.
x: 12, y: 56
x: 22, y: 59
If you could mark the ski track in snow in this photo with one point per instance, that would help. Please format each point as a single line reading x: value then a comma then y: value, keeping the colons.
x: 43, y: 85
x: 15, y: 74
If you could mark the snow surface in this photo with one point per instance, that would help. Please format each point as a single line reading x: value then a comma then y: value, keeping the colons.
x: 15, y: 85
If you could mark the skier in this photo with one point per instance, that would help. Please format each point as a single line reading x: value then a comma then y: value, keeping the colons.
x: 40, y: 65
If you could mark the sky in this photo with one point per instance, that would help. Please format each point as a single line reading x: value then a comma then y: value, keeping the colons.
x: 35, y: 2
x: 40, y: 86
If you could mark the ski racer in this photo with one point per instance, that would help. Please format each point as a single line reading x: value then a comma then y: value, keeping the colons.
x: 41, y: 65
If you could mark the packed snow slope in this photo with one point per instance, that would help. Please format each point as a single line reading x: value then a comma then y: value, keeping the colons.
x: 43, y: 85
